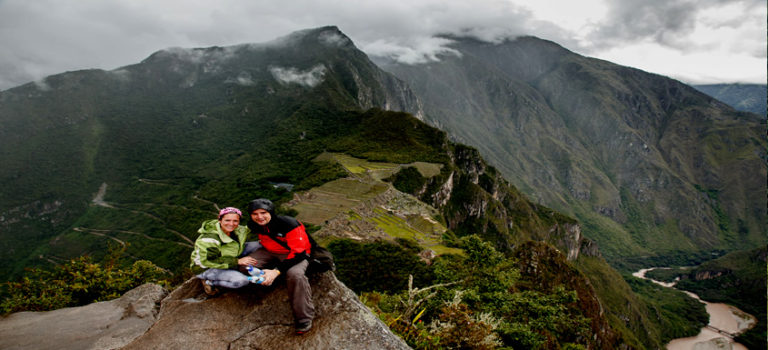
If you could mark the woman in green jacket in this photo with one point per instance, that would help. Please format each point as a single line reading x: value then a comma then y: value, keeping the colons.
x: 222, y: 250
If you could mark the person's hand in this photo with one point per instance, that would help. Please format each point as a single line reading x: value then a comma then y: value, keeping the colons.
x: 269, y: 276
x: 246, y: 260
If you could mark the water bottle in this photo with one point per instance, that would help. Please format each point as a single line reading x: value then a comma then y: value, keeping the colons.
x: 256, y: 279
x: 253, y: 271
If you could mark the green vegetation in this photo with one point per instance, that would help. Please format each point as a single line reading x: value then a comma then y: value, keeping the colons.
x: 429, y: 236
x: 379, y: 266
x: 668, y: 275
x: 406, y: 139
x: 721, y: 217
x: 359, y: 167
x: 638, y: 331
x: 672, y: 258
x: 78, y: 282
x: 480, y: 300
x: 408, y: 180
x: 678, y: 314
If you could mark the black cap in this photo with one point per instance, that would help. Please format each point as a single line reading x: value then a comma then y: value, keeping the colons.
x: 261, y: 203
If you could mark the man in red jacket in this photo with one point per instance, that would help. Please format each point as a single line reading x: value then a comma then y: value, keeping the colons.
x: 285, y: 248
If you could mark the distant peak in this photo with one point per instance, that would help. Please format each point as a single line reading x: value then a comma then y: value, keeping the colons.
x: 194, y: 55
x: 327, y: 35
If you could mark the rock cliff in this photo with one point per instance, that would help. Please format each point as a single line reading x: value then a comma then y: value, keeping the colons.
x: 254, y: 317
x: 104, y: 325
x: 258, y: 317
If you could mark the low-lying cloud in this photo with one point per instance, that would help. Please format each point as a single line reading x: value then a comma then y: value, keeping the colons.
x: 309, y: 78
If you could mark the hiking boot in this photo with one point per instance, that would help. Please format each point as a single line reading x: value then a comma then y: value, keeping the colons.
x: 209, y: 288
x: 303, y: 327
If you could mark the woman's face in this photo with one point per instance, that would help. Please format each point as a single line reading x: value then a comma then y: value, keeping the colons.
x: 261, y: 216
x: 229, y: 222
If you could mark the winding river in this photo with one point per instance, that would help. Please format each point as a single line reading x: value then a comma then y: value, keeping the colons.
x: 725, y: 322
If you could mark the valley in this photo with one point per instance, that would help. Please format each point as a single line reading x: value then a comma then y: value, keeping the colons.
x: 725, y: 323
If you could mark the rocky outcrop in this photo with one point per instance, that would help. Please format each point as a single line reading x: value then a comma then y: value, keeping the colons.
x: 474, y: 197
x: 708, y: 275
x: 253, y: 317
x: 257, y: 317
x: 589, y: 248
x: 571, y: 240
x: 104, y: 325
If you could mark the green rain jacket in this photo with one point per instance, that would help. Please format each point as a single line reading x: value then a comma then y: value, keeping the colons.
x: 214, y: 249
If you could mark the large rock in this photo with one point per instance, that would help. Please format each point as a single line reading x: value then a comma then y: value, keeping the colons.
x: 257, y: 317
x: 104, y: 325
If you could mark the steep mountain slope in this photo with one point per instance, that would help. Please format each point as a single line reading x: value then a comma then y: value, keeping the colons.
x: 743, y: 97
x: 650, y: 166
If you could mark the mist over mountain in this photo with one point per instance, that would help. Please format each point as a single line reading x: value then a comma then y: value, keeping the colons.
x: 650, y: 166
x: 742, y: 97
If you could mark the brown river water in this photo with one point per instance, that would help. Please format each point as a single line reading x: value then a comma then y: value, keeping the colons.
x: 722, y: 318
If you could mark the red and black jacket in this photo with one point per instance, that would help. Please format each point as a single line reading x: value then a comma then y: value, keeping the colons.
x: 284, y: 235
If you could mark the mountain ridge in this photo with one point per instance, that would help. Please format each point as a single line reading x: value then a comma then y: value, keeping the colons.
x: 605, y: 143
x: 742, y: 97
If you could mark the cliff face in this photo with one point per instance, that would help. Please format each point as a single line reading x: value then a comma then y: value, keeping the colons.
x: 475, y: 198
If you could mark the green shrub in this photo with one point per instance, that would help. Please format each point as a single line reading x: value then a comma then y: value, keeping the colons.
x: 408, y: 180
x: 380, y: 266
x: 479, y: 301
x: 78, y: 282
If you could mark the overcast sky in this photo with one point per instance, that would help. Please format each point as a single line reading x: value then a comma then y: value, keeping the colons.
x: 696, y: 41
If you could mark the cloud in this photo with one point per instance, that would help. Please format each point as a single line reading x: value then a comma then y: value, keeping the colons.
x: 705, y: 41
x: 666, y: 22
x: 677, y: 24
x: 122, y: 75
x: 308, y: 78
x: 44, y: 37
x: 42, y: 85
x: 244, y: 79
x: 414, y: 51
x: 333, y: 39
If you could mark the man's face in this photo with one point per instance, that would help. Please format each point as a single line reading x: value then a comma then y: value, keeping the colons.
x: 261, y: 216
